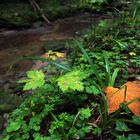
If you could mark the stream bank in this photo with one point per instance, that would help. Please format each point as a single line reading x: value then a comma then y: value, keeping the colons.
x: 29, y: 42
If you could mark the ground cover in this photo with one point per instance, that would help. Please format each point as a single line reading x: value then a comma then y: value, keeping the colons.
x: 72, y: 104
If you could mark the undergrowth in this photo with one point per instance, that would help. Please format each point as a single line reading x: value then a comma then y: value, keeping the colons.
x: 72, y: 105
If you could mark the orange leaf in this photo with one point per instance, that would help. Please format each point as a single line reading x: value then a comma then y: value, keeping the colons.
x: 115, y: 97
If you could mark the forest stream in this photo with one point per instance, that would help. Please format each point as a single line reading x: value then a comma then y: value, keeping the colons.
x: 29, y: 42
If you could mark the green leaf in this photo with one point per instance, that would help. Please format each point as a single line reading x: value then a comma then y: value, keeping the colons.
x: 54, y: 137
x: 6, y: 138
x: 37, y: 136
x: 13, y: 126
x: 121, y: 138
x: 85, y: 113
x: 136, y: 120
x: 92, y: 90
x: 72, y: 81
x: 82, y: 131
x: 121, y: 126
x: 79, y: 44
x: 97, y: 131
x: 133, y: 137
x: 107, y: 67
x: 35, y: 80
x: 114, y: 75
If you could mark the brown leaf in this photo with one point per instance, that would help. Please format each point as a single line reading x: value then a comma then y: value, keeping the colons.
x: 115, y: 97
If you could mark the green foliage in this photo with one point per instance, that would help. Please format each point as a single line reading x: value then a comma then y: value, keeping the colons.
x: 72, y: 80
x: 93, y: 4
x: 109, y: 78
x: 96, y: 1
x: 121, y: 126
x: 85, y: 113
x: 22, y: 13
x: 130, y: 137
x: 35, y: 80
x: 13, y: 126
x: 92, y: 90
x: 73, y: 106
x: 97, y: 131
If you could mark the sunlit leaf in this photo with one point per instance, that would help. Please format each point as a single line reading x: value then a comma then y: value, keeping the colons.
x: 72, y: 80
x: 13, y: 126
x: 85, y: 113
x: 34, y: 80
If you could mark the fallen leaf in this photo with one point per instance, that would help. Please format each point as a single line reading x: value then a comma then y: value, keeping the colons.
x: 45, y: 55
x: 115, y: 97
x: 58, y: 54
x: 53, y: 56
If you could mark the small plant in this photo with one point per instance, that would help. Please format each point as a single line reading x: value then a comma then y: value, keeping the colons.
x: 93, y: 4
x: 35, y: 79
x: 72, y: 80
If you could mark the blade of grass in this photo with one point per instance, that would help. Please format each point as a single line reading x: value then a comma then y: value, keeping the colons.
x: 108, y: 71
x: 105, y: 112
x: 90, y: 62
x: 135, y: 12
x: 46, y: 60
x: 121, y: 44
x: 106, y: 62
x: 129, y: 121
x: 79, y: 44
x: 114, y: 75
x: 137, y: 99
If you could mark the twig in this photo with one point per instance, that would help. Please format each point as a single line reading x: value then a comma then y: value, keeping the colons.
x: 37, y: 8
x: 32, y: 4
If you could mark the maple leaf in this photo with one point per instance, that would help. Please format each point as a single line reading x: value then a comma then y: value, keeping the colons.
x: 34, y: 80
x: 72, y: 80
x: 115, y: 97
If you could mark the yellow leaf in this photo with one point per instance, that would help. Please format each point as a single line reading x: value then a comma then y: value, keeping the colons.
x: 62, y: 55
x: 53, y: 57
